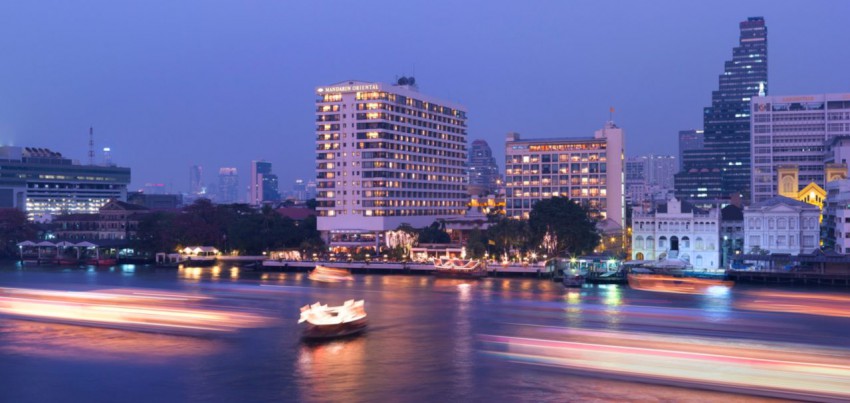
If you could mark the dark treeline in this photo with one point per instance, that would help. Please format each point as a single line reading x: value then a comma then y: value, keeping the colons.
x: 227, y: 227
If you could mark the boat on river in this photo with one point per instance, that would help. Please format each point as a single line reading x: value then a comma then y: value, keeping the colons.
x: 647, y: 281
x: 329, y: 274
x: 326, y: 322
x: 459, y: 268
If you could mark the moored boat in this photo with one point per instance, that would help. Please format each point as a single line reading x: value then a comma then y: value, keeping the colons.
x: 573, y: 277
x: 459, y: 268
x: 325, y: 322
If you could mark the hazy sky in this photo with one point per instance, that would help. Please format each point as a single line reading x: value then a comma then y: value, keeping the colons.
x: 169, y: 84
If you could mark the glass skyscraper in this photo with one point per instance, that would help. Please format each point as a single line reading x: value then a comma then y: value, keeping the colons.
x: 482, y: 169
x: 722, y: 166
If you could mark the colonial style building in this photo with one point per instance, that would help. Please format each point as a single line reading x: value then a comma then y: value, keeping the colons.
x: 781, y: 225
x: 677, y: 230
x: 116, y: 220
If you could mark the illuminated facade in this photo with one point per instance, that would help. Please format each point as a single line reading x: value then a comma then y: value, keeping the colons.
x: 45, y: 184
x: 721, y: 167
x: 677, y: 230
x: 795, y: 132
x: 587, y: 170
x: 386, y: 155
x: 781, y: 225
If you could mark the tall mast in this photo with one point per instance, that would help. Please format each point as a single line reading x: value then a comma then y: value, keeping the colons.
x: 91, y: 145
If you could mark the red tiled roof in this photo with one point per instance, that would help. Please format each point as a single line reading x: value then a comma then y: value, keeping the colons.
x: 296, y: 213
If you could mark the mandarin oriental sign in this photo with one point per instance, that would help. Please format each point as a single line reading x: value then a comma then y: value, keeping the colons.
x: 348, y: 88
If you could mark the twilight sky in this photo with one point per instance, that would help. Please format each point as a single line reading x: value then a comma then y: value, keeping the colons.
x: 168, y: 84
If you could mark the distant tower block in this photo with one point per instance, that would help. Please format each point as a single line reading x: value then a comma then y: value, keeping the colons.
x: 788, y: 177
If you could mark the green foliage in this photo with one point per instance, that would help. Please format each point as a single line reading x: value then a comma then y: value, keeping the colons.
x: 559, y: 226
x: 476, y: 244
x: 14, y: 228
x: 227, y: 227
x: 434, y: 233
x: 506, y: 235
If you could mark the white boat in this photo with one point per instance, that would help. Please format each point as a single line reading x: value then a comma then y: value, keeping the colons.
x: 325, y: 322
x: 459, y: 268
x: 329, y: 274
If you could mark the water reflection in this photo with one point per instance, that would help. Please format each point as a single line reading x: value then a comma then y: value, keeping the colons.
x: 70, y: 342
x: 332, y: 370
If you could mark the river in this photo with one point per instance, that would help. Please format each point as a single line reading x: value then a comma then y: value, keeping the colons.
x: 429, y: 340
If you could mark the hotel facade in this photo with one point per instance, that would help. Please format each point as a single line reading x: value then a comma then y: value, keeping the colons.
x: 588, y: 170
x: 386, y: 155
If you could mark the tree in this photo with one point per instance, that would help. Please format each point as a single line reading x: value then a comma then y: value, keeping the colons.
x: 508, y: 234
x: 558, y: 225
x: 476, y: 244
x: 14, y: 228
x: 434, y: 233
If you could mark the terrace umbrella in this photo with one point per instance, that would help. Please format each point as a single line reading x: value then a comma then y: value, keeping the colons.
x: 43, y: 244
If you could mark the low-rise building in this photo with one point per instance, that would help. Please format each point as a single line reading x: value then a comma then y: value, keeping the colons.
x: 116, y: 220
x: 781, y: 225
x: 677, y: 230
x: 836, y: 217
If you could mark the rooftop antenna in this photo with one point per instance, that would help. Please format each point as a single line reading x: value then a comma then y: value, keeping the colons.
x: 611, y: 114
x: 91, y: 145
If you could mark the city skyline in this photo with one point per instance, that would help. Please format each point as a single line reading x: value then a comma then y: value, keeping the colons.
x: 234, y: 88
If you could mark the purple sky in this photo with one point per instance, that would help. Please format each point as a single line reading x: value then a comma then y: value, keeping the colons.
x: 168, y: 84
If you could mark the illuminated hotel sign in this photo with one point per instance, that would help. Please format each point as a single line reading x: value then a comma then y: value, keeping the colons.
x: 565, y: 147
x: 348, y: 88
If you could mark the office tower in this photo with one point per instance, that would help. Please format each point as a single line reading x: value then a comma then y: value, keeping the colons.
x: 196, y: 184
x: 310, y: 189
x: 228, y: 186
x: 588, y: 170
x: 299, y: 190
x: 386, y: 155
x: 483, y: 172
x: 794, y: 132
x: 264, y: 184
x: 649, y: 177
x: 45, y: 184
x: 689, y: 140
x: 722, y: 167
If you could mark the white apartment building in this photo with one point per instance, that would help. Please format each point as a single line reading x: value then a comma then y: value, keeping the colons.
x: 794, y: 130
x: 677, y: 230
x: 386, y: 155
x: 587, y: 170
x: 781, y: 225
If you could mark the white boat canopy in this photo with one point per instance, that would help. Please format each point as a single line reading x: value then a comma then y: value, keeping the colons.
x: 26, y: 243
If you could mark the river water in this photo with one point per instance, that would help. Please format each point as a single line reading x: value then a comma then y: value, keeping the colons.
x: 427, y: 341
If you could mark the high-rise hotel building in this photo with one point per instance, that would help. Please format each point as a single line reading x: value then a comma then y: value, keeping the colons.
x: 386, y: 155
x: 587, y: 170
